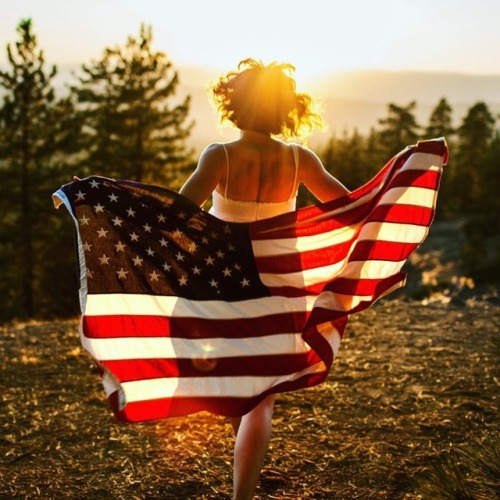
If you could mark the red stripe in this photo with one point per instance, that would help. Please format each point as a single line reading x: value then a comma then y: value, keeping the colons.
x: 299, y: 261
x: 267, y: 365
x: 436, y: 147
x: 174, y: 407
x: 382, y: 250
x: 417, y: 178
x: 115, y: 326
x: 366, y: 287
x: 403, y: 214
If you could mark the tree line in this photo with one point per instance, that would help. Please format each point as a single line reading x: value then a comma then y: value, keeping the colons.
x: 123, y: 118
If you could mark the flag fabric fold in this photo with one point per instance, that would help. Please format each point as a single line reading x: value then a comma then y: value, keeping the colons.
x: 184, y: 312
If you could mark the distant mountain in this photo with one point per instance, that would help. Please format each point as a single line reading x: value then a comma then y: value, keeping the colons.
x: 349, y: 99
x: 357, y: 99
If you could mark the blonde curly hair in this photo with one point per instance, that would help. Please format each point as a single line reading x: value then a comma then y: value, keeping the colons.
x: 263, y: 98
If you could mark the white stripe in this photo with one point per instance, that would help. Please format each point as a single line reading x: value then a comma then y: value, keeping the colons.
x: 393, y: 231
x: 417, y: 196
x: 304, y: 278
x: 240, y: 386
x: 118, y: 304
x: 339, y: 301
x: 109, y: 349
x: 372, y: 269
x: 423, y: 161
x: 332, y: 335
x: 283, y: 246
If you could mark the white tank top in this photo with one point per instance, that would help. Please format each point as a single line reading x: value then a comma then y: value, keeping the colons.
x: 246, y: 211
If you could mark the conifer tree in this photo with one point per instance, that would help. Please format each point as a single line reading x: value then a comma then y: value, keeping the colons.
x: 440, y: 121
x: 133, y: 125
x: 475, y: 136
x: 400, y: 128
x: 28, y: 130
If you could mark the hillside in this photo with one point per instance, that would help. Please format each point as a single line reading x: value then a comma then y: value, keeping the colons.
x: 348, y: 99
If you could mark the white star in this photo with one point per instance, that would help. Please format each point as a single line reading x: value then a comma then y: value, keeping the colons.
x: 179, y: 257
x: 227, y: 230
x: 87, y: 246
x: 220, y: 254
x: 196, y: 270
x: 227, y: 272
x: 137, y: 261
x: 204, y: 240
x: 214, y: 235
x: 122, y: 274
x: 131, y: 212
x: 210, y: 261
x: 113, y: 197
x: 154, y: 276
x: 193, y: 247
x: 237, y: 267
x: 167, y: 267
x: 147, y: 228
x: 134, y: 237
x: 90, y: 274
x: 80, y: 195
x: 102, y: 233
x: 177, y: 233
x: 150, y: 252
x: 98, y: 208
x: 104, y: 259
x: 94, y: 184
x: 231, y: 247
x: 245, y: 282
x: 214, y: 284
x: 161, y: 218
x: 182, y: 281
x: 120, y: 247
x: 117, y: 221
x: 84, y: 221
x: 181, y: 215
x: 163, y: 242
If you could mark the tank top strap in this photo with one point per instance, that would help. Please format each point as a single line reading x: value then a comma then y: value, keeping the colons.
x: 227, y: 168
x: 295, y: 151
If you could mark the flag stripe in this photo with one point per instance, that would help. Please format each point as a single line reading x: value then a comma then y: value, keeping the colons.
x: 127, y: 325
x: 238, y: 386
x: 170, y: 347
x: 279, y: 364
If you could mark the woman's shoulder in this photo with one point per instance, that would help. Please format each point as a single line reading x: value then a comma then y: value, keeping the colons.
x: 306, y: 156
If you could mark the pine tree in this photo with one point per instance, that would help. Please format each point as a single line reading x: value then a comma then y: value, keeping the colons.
x: 475, y: 135
x: 440, y: 121
x: 132, y: 125
x: 400, y: 128
x: 28, y: 131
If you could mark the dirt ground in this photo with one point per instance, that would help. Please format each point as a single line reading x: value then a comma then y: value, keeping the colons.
x: 413, y: 380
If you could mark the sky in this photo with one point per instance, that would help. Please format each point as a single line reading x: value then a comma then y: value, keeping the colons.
x: 318, y: 36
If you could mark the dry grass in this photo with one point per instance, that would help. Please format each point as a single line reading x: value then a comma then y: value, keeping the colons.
x: 411, y: 383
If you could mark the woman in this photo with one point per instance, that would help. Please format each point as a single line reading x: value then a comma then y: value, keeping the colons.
x: 256, y: 177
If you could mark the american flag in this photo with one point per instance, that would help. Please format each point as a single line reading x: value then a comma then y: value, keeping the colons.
x: 184, y: 312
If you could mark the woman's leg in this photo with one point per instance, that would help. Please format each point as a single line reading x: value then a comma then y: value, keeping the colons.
x: 253, y: 432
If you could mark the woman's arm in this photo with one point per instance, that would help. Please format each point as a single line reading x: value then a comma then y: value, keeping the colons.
x: 209, y: 172
x: 322, y: 184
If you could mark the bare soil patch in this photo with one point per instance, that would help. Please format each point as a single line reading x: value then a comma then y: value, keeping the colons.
x: 412, y: 381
